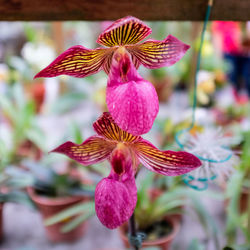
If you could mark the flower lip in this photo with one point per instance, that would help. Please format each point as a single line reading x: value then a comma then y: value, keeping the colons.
x: 118, y: 161
x: 122, y: 62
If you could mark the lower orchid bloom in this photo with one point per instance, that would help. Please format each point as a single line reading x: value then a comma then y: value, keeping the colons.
x: 116, y: 195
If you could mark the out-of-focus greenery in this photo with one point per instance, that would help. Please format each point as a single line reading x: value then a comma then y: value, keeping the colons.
x: 169, y: 201
x: 238, y: 195
x: 21, y: 125
x: 48, y: 182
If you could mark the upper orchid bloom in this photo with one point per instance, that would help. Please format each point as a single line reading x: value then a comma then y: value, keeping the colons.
x: 116, y: 195
x: 131, y: 100
x: 79, y: 61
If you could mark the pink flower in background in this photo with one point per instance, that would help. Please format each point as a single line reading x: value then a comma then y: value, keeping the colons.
x: 116, y: 195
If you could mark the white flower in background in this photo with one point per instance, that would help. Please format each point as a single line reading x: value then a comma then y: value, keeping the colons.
x: 39, y: 55
x: 213, y: 149
x: 206, y: 86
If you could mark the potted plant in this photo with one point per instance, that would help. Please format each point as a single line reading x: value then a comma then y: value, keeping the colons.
x: 157, y: 211
x: 17, y: 128
x: 53, y: 192
x: 13, y: 180
x: 22, y: 134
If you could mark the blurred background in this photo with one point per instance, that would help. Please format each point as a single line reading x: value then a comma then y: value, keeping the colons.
x: 46, y: 200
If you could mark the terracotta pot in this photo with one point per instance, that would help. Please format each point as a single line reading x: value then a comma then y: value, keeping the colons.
x: 163, y: 87
x: 1, y: 221
x: 244, y: 196
x: 162, y: 243
x: 36, y: 91
x: 50, y: 206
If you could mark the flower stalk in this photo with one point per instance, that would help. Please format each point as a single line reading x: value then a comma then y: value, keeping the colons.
x: 133, y: 240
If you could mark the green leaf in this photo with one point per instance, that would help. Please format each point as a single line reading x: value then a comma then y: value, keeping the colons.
x: 76, y: 222
x: 76, y: 133
x: 67, y: 102
x: 195, y: 245
x: 17, y: 197
x: 233, y: 194
x: 69, y: 212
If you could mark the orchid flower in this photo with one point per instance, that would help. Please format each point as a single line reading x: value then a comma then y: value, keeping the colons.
x: 116, y: 195
x: 123, y: 36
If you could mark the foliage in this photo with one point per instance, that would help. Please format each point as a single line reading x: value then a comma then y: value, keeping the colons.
x: 237, y: 219
x: 22, y: 125
x: 50, y: 183
x: 170, y: 202
x: 82, y: 212
x: 12, y: 182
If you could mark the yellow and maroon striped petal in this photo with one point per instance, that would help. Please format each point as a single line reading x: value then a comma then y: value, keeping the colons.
x: 93, y: 150
x: 106, y: 127
x: 168, y: 163
x: 78, y: 61
x: 127, y: 30
x: 155, y: 54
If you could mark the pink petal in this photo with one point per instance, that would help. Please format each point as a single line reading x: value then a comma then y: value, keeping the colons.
x: 93, y: 150
x: 78, y: 61
x: 131, y: 100
x: 114, y: 202
x: 127, y: 30
x: 168, y: 163
x: 134, y: 106
x: 155, y: 54
x: 115, y: 198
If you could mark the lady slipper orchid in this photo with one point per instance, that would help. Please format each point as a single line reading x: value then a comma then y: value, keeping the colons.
x: 79, y: 61
x: 123, y: 54
x: 116, y: 195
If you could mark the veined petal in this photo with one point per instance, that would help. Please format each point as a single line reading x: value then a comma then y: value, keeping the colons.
x: 133, y: 105
x: 127, y: 30
x: 106, y: 127
x: 155, y: 54
x: 93, y: 150
x: 78, y: 61
x: 115, y: 200
x: 168, y: 163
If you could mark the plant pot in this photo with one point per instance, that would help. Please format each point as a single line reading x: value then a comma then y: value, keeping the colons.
x: 1, y: 221
x: 244, y: 196
x: 163, y: 87
x: 48, y: 207
x: 162, y: 243
x: 36, y: 91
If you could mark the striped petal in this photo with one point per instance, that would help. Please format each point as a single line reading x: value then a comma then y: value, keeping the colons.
x: 155, y: 54
x: 78, y: 61
x: 106, y: 127
x: 93, y: 150
x: 128, y: 30
x: 168, y: 163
